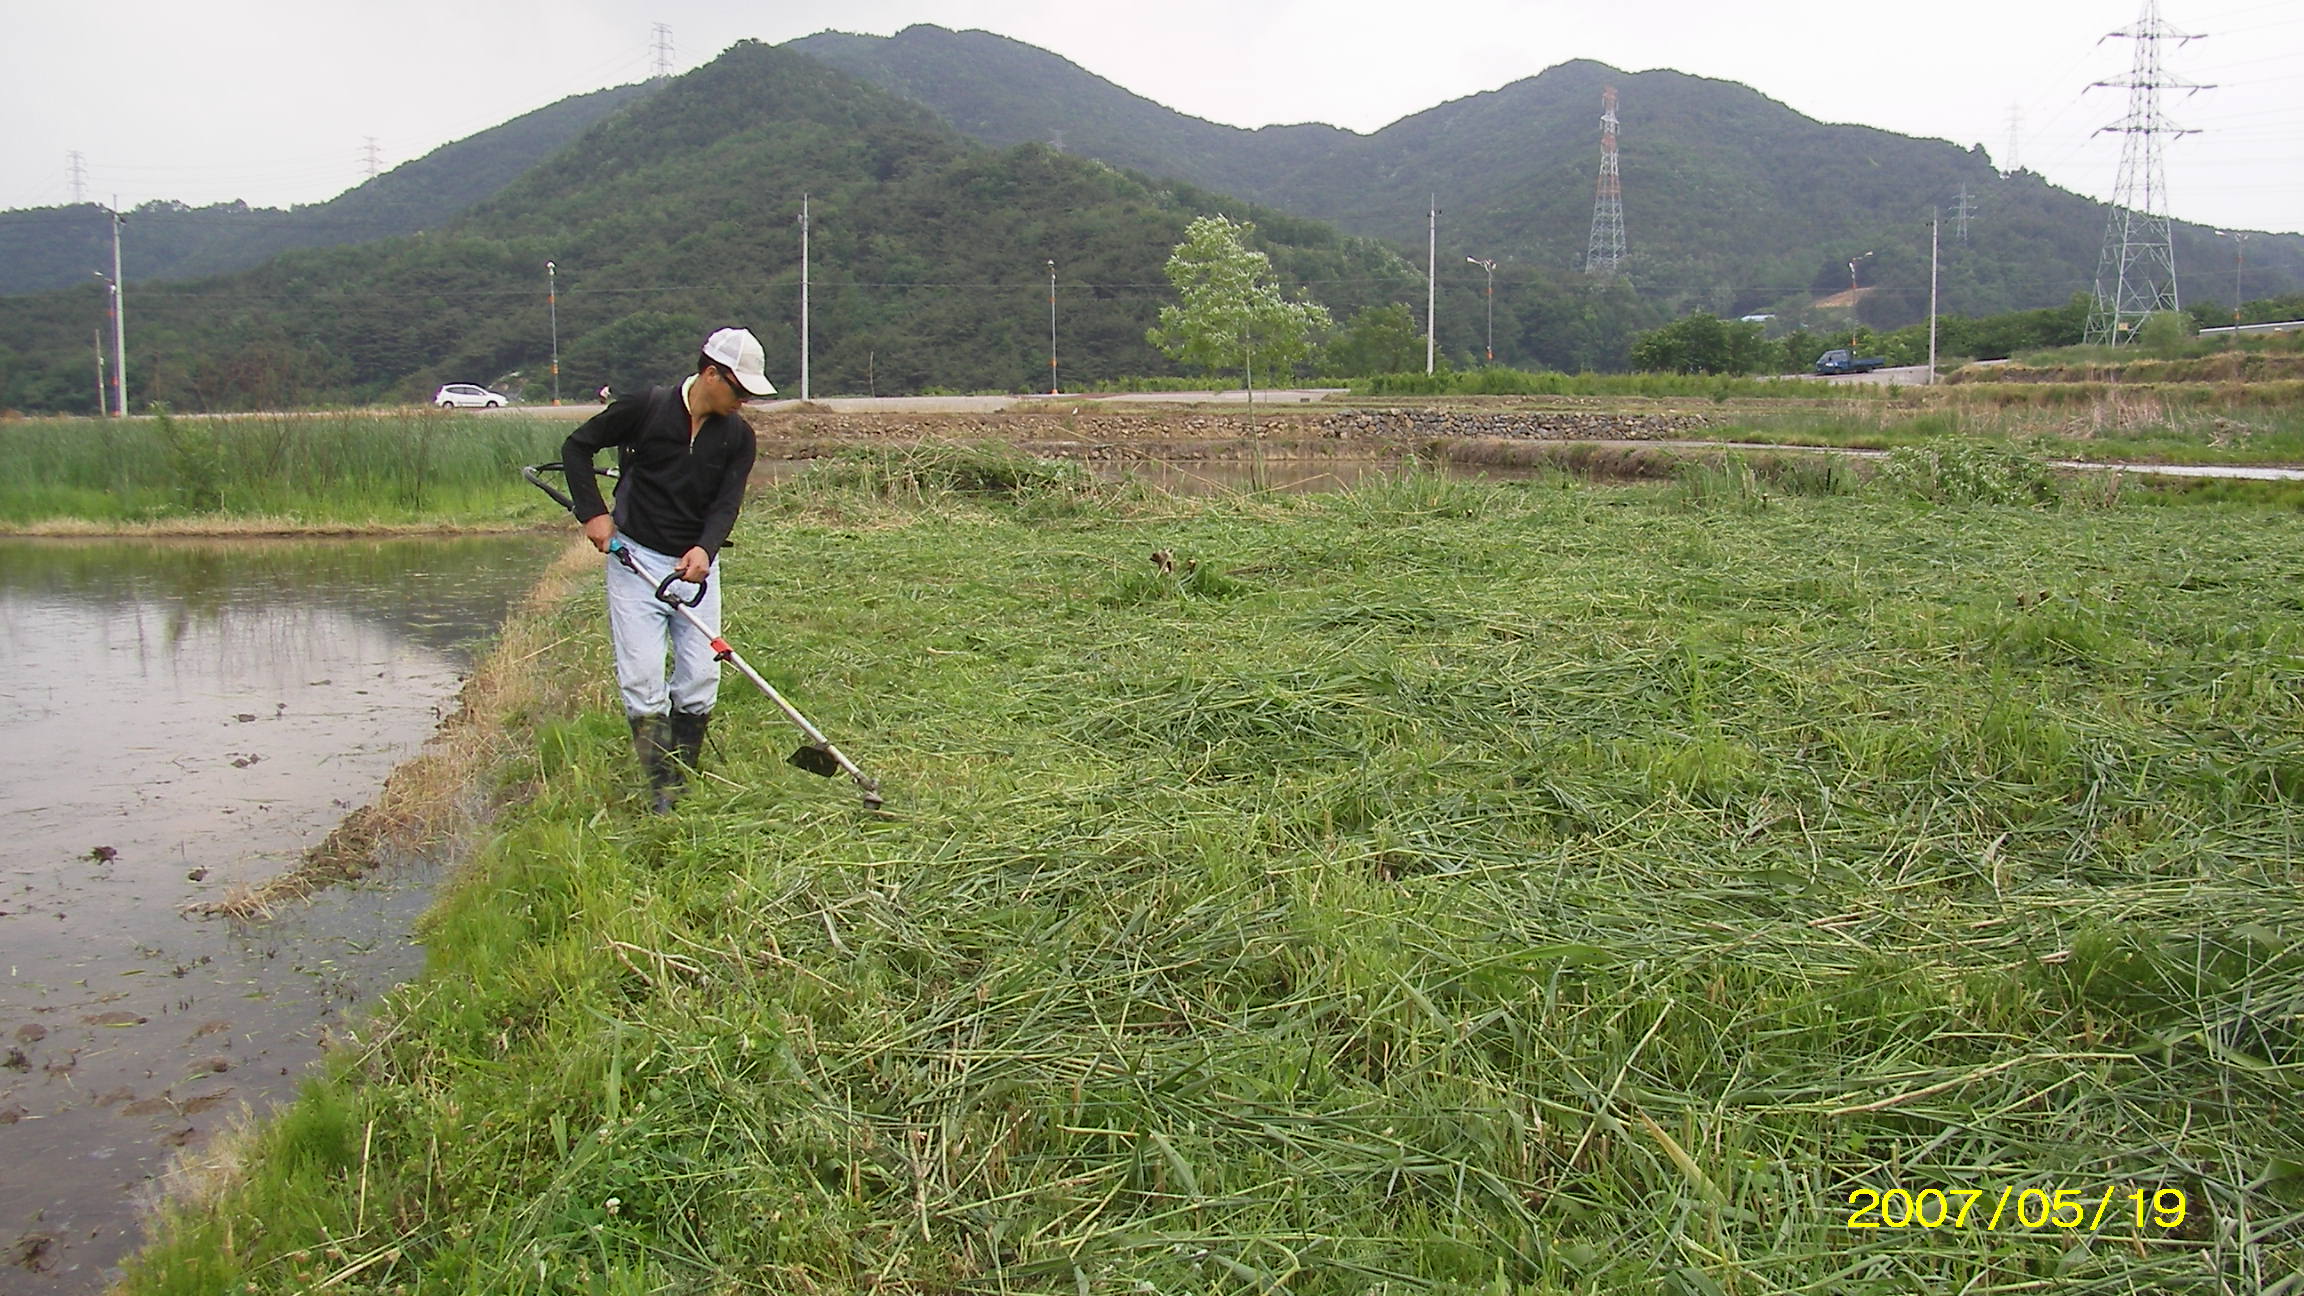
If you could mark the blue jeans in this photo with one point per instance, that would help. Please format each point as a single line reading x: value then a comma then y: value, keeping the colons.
x: 643, y: 627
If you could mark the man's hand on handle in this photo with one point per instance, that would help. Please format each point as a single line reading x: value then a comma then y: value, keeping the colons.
x: 693, y: 566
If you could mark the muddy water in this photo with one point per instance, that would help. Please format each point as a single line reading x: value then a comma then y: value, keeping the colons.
x: 179, y: 718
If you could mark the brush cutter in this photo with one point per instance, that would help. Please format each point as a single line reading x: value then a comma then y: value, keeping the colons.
x: 817, y: 755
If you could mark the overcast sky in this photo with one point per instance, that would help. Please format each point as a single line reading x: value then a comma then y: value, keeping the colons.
x: 277, y: 103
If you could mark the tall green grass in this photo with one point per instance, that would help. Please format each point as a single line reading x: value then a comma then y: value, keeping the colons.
x: 1479, y: 888
x: 328, y: 468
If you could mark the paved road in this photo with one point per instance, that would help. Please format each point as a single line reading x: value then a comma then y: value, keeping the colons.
x: 1895, y: 376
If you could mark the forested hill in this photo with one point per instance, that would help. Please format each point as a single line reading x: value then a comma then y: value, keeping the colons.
x: 56, y: 247
x: 1733, y: 202
x: 679, y: 214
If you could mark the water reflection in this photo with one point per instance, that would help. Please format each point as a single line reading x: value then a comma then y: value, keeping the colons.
x: 400, y: 584
x: 181, y: 718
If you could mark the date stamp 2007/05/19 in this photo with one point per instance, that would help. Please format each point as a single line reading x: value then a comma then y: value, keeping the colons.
x: 2032, y: 1208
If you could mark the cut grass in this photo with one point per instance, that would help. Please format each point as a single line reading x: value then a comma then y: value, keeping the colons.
x: 1481, y: 888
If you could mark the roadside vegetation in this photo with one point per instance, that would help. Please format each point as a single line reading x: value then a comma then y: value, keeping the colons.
x: 296, y: 472
x: 1701, y: 343
x: 1439, y: 885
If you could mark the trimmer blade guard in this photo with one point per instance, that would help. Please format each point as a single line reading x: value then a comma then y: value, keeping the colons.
x: 815, y: 760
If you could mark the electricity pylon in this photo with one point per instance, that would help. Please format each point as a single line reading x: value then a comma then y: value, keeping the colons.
x: 2136, y: 276
x: 1606, y: 251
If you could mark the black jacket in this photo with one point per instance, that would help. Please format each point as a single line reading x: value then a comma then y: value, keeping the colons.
x: 673, y: 495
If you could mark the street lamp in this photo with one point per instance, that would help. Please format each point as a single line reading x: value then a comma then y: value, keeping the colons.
x: 2239, y: 253
x: 1490, y: 267
x: 1051, y: 328
x: 1852, y: 269
x: 552, y: 304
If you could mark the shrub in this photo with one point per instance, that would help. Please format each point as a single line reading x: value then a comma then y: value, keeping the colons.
x: 1965, y: 472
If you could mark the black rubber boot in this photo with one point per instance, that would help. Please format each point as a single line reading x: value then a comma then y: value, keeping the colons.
x: 688, y: 740
x: 652, y: 743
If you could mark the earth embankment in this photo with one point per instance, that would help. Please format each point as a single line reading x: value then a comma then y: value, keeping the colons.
x: 1358, y: 433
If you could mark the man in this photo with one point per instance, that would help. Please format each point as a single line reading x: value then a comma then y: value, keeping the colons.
x: 684, y: 455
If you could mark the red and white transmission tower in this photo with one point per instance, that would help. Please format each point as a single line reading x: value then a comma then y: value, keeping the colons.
x: 1607, y: 248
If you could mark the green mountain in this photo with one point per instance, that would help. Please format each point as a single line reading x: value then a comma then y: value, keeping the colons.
x: 676, y: 214
x: 1733, y: 202
x: 944, y: 170
x: 58, y: 247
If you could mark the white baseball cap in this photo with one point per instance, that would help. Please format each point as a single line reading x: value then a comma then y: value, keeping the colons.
x: 740, y: 351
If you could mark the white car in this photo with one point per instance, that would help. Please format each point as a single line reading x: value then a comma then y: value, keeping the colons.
x: 469, y: 396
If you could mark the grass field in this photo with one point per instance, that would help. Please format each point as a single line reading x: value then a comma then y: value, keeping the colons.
x: 2099, y: 423
x: 298, y: 470
x: 1435, y: 886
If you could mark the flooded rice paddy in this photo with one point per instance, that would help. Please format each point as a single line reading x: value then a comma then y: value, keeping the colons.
x: 183, y: 718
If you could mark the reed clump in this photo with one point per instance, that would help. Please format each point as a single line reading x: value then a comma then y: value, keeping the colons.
x: 1501, y: 889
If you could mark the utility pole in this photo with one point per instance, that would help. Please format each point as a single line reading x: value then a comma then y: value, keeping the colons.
x: 663, y: 52
x: 1052, y: 328
x: 1932, y: 227
x: 1605, y: 253
x: 803, y: 296
x: 2239, y: 255
x: 1490, y: 267
x: 119, y: 321
x: 79, y: 177
x: 552, y: 304
x: 1431, y: 273
x: 100, y: 395
x: 2136, y: 275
